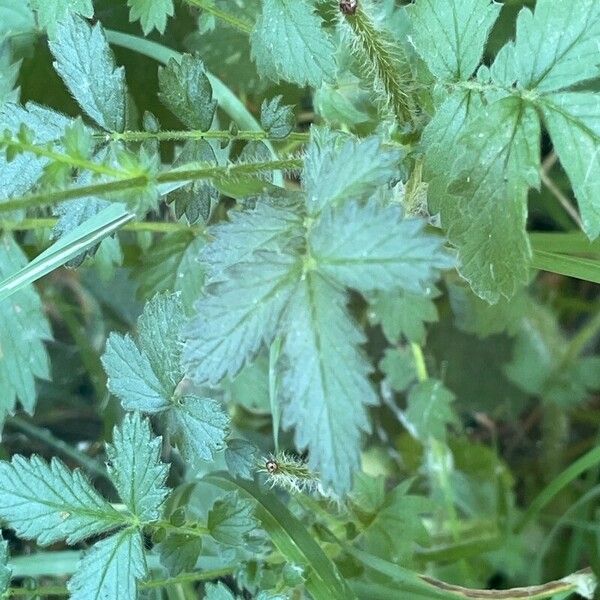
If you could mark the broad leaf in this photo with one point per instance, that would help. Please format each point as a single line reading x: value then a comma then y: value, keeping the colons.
x: 218, y: 591
x: 398, y: 365
x: 276, y: 118
x: 147, y: 376
x: 557, y: 45
x: 5, y: 570
x: 325, y: 385
x: 486, y: 210
x: 231, y: 519
x: 186, y: 91
x: 371, y: 247
x: 152, y: 14
x: 429, y: 410
x: 337, y: 168
x: 136, y: 469
x: 49, y: 503
x: 241, y: 458
x: 450, y: 34
x: 288, y: 42
x: 86, y: 64
x: 23, y: 330
x: 9, y: 73
x: 110, y: 569
x: 237, y: 315
x: 49, y: 14
x: 573, y: 120
x: 179, y: 552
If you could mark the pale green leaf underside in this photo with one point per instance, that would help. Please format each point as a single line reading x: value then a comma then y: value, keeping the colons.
x: 86, y: 64
x: 429, y: 410
x: 110, y: 569
x: 230, y: 519
x: 288, y: 42
x: 136, y: 469
x: 557, y: 45
x: 49, y: 503
x: 573, y: 120
x: 325, y: 386
x: 450, y: 34
x: 372, y: 247
x: 23, y: 330
x: 152, y: 14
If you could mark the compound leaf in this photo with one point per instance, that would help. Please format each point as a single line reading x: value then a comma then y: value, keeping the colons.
x: 49, y: 14
x: 450, y: 34
x: 372, y: 247
x: 429, y: 410
x: 136, y: 469
x: 288, y: 42
x: 23, y: 330
x: 86, y: 64
x: 110, y: 569
x: 49, y: 503
x: 276, y: 118
x: 231, y: 519
x: 152, y: 14
x: 325, y: 385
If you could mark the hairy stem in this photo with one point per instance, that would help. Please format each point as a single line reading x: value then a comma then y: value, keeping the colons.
x: 167, y: 136
x: 240, y: 24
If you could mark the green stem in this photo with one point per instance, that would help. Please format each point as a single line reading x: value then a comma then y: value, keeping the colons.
x: 45, y: 436
x: 47, y: 223
x: 141, y: 181
x: 419, y: 359
x: 240, y: 24
x: 196, y: 531
x: 167, y: 136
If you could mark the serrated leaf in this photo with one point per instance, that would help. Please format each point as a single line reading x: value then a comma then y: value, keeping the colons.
x: 557, y: 45
x: 372, y: 247
x: 241, y: 458
x: 16, y: 17
x: 86, y: 64
x: 325, y: 387
x: 49, y: 14
x: 338, y: 168
x: 9, y: 73
x: 110, y: 569
x: 179, y: 552
x: 147, y: 376
x: 486, y: 209
x: 5, y: 570
x: 49, y: 503
x: 429, y: 410
x: 265, y: 227
x: 402, y: 314
x: 135, y: 467
x: 276, y: 118
x: 573, y: 120
x: 398, y: 365
x: 237, y: 315
x: 450, y: 34
x: 231, y: 519
x: 288, y: 42
x: 218, y: 591
x: 152, y: 14
x: 171, y: 265
x: 186, y: 91
x: 23, y: 330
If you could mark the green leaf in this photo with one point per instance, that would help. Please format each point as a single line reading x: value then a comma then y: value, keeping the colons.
x: 50, y: 14
x: 557, y: 45
x: 16, y: 17
x: 179, y: 552
x: 276, y: 118
x: 110, y: 569
x: 151, y: 13
x: 218, y: 591
x: 450, y: 34
x: 49, y: 503
x: 5, y: 570
x: 237, y: 315
x: 231, y: 519
x: 372, y: 247
x: 9, y: 73
x: 250, y: 387
x: 23, y: 330
x: 573, y: 120
x: 86, y: 64
x: 429, y: 410
x: 337, y: 168
x: 402, y: 314
x: 171, y: 265
x: 486, y: 210
x: 135, y: 467
x: 328, y: 410
x: 241, y: 458
x: 398, y: 365
x: 147, y: 376
x: 186, y: 92
x: 288, y: 42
